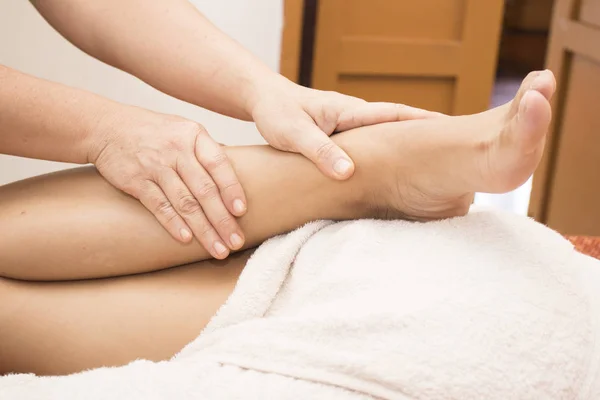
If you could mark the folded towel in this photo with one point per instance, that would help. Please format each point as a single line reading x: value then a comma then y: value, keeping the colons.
x: 487, y: 306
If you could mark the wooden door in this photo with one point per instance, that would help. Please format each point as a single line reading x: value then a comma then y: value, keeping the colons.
x: 435, y: 54
x: 566, y: 186
x: 291, y: 40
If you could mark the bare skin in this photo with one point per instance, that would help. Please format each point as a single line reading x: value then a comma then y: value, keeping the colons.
x: 191, y: 59
x: 171, y: 164
x: 418, y: 169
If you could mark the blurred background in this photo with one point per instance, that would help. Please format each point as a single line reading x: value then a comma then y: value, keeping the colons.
x: 452, y: 56
x: 29, y: 44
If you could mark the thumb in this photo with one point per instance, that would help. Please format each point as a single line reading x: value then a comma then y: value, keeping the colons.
x: 315, y: 145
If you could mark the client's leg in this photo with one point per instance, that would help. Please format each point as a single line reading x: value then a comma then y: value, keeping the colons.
x: 421, y: 169
x: 52, y: 328
x: 74, y: 225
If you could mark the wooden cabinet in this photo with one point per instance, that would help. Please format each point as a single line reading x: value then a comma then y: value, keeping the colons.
x: 435, y: 54
x: 566, y: 186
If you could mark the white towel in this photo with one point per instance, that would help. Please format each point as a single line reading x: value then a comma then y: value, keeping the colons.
x: 488, y: 306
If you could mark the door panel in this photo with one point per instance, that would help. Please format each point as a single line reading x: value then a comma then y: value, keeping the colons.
x: 431, y: 19
x: 590, y: 12
x: 574, y: 207
x: 566, y: 186
x: 385, y: 50
x: 434, y: 93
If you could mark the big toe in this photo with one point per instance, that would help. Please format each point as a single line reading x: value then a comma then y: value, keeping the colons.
x: 545, y: 84
x: 519, y: 147
x: 540, y: 81
x: 528, y: 128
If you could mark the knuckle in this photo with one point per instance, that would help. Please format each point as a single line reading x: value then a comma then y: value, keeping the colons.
x: 284, y: 142
x: 402, y: 110
x: 191, y: 127
x: 328, y: 113
x: 174, y: 146
x: 217, y: 161
x: 230, y: 186
x: 130, y: 187
x: 133, y: 183
x: 348, y: 118
x: 325, y: 150
x: 188, y: 205
x: 165, y: 209
x: 207, y: 190
x: 186, y: 134
x: 153, y: 161
x: 225, y: 222
x: 207, y: 232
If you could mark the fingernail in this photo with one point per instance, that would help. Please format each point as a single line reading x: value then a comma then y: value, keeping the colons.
x: 239, y: 207
x: 185, y: 234
x: 236, y: 241
x: 342, y: 167
x: 220, y: 248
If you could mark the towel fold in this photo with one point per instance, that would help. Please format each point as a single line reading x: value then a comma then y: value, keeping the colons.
x: 487, y: 306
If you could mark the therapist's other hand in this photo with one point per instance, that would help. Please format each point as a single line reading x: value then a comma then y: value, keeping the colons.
x: 300, y: 120
x: 177, y: 171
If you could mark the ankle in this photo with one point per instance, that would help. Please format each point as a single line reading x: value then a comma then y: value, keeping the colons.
x: 372, y: 187
x: 404, y: 170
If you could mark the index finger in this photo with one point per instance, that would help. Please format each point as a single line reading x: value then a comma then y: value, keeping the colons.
x: 377, y: 113
x: 214, y: 160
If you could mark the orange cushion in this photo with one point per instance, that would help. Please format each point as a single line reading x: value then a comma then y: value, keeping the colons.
x: 588, y: 245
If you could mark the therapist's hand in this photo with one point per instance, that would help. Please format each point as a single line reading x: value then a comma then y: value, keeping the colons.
x: 300, y: 120
x: 177, y: 171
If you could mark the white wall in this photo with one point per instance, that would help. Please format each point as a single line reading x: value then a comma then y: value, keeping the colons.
x: 29, y: 44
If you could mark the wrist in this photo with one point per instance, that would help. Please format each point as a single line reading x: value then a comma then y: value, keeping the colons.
x: 269, y: 85
x: 103, y: 131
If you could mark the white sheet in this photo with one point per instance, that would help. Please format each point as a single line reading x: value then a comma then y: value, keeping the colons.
x: 489, y: 306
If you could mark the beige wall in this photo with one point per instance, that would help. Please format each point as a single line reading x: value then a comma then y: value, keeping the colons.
x: 29, y: 44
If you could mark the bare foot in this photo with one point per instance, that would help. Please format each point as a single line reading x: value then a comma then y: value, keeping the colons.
x: 515, y: 151
x: 439, y: 163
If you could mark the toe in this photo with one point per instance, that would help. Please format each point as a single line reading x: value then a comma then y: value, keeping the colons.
x: 540, y: 81
x: 545, y: 83
x: 517, y: 151
x: 526, y: 85
x: 529, y: 127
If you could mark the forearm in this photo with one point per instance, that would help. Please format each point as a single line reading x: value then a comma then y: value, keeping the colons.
x: 46, y: 120
x: 168, y: 44
x: 75, y: 225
